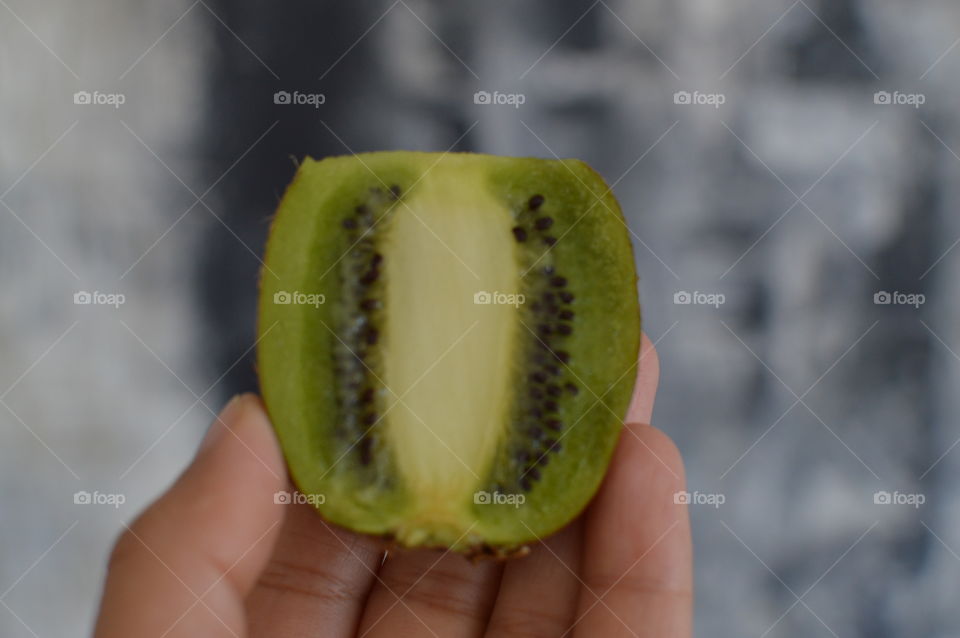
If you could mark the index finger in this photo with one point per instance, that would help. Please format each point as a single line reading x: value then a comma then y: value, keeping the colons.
x: 637, y: 567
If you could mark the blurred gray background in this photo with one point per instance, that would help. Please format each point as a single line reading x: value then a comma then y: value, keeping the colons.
x: 786, y: 167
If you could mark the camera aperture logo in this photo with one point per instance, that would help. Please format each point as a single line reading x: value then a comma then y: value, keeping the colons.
x: 296, y: 98
x: 699, y: 498
x: 896, y: 98
x: 697, y: 298
x: 497, y: 98
x: 897, y: 298
x: 898, y: 498
x: 697, y: 98
x: 97, y: 298
x: 297, y: 298
x: 98, y: 98
x: 495, y: 298
x: 498, y: 498
x: 84, y: 497
x: 298, y: 498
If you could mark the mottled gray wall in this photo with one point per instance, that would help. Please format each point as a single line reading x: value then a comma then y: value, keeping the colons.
x: 797, y: 199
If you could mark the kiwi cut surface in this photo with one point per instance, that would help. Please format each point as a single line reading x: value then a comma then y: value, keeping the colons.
x: 447, y: 343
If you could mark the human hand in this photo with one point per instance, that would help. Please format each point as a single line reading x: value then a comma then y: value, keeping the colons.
x: 215, y: 556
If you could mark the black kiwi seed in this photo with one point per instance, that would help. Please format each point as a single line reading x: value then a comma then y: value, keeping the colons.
x: 536, y: 393
x: 553, y: 445
x: 564, y: 329
x: 558, y: 282
x: 549, y: 297
x: 377, y: 259
x: 572, y: 389
x: 349, y: 223
x: 366, y: 396
x: 535, y: 202
x: 550, y: 406
x: 369, y: 418
x: 366, y: 451
x: 526, y: 484
x: 361, y: 209
x: 534, y: 473
x: 566, y: 297
x: 562, y: 355
x: 538, y: 377
x: 372, y: 336
x: 369, y: 304
x: 544, y: 329
x: 554, y: 390
x: 554, y: 424
x: 535, y: 432
x: 566, y: 315
x: 519, y: 233
x: 369, y: 277
x: 550, y: 241
x: 535, y: 306
x: 543, y: 223
x: 552, y: 369
x: 395, y: 191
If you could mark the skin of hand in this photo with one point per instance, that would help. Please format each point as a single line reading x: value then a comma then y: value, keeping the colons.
x: 215, y: 556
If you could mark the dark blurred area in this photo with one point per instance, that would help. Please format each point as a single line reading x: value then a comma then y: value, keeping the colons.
x: 789, y: 175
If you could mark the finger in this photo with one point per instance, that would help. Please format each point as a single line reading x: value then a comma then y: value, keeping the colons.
x: 637, y: 565
x: 552, y: 569
x: 648, y: 376
x: 425, y: 593
x: 319, y: 576
x: 184, y: 566
x: 538, y: 593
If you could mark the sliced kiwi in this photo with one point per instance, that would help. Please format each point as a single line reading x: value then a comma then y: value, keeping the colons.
x: 447, y: 343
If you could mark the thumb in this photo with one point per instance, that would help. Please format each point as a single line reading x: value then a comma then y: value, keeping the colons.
x: 184, y: 566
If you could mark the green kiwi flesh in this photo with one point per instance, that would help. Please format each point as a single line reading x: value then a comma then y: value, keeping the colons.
x: 448, y: 343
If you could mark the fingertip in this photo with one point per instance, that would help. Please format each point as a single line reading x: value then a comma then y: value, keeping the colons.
x: 242, y: 432
x: 645, y: 389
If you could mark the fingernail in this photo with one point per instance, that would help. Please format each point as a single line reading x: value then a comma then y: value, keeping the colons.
x: 219, y: 426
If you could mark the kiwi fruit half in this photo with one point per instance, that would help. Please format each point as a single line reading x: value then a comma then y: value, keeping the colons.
x: 448, y: 343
